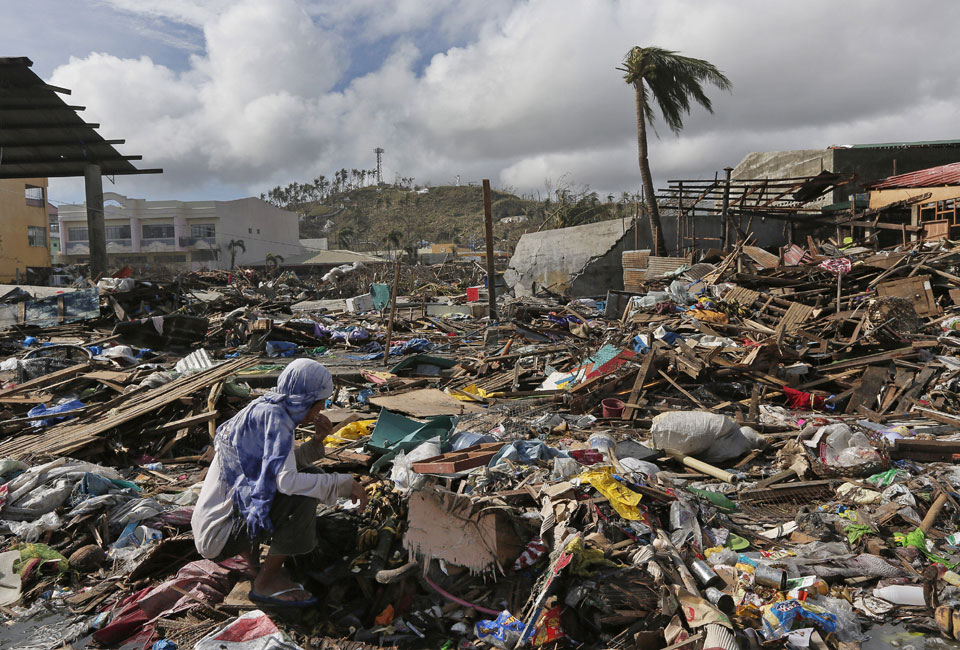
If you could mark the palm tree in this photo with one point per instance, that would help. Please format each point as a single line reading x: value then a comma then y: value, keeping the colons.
x: 273, y: 260
x: 232, y: 247
x: 671, y: 80
x: 394, y: 237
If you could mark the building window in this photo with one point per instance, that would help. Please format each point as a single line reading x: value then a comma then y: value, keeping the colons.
x: 258, y: 231
x: 132, y: 259
x: 204, y: 256
x: 115, y: 233
x: 203, y: 230
x: 158, y: 232
x: 77, y: 234
x: 249, y: 231
x: 37, y: 235
x: 169, y: 259
x: 34, y: 195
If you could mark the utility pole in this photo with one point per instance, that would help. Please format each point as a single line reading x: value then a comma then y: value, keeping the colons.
x: 97, y: 240
x: 726, y: 206
x: 491, y: 270
x: 379, y: 152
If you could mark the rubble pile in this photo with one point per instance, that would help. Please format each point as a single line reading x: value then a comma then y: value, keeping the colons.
x: 752, y: 450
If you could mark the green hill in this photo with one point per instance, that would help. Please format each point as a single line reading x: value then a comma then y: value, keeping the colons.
x: 364, y: 218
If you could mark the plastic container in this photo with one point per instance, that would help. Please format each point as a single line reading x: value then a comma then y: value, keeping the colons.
x: 602, y: 442
x: 612, y: 407
x: 902, y: 595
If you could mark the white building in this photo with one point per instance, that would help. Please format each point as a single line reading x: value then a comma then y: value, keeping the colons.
x: 182, y: 234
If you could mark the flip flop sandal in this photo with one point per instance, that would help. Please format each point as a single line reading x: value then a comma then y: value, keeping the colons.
x: 272, y: 599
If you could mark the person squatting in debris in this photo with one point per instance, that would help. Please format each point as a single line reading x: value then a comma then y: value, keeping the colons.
x: 254, y: 493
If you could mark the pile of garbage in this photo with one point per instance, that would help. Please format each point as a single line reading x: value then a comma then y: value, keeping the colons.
x: 741, y: 455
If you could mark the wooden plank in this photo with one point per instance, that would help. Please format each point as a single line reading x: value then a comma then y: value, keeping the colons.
x: 914, y: 391
x: 874, y: 377
x: 681, y: 389
x: 917, y: 290
x: 45, y: 380
x: 880, y: 357
x: 70, y: 436
x: 183, y: 422
x: 459, y: 461
x: 901, y: 382
x: 630, y: 410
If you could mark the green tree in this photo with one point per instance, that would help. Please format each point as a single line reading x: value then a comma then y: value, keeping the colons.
x: 394, y: 237
x: 232, y: 247
x: 670, y: 80
x: 274, y: 260
x: 345, y: 237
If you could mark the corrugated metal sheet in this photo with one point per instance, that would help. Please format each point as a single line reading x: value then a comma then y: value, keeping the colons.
x: 764, y: 258
x: 931, y: 177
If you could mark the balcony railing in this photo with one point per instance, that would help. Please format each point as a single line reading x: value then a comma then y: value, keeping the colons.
x: 77, y: 248
x: 157, y: 245
x: 198, y: 242
x: 119, y: 245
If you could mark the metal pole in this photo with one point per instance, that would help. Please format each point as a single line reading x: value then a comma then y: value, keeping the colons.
x: 491, y: 270
x: 96, y: 236
x: 726, y: 206
x: 393, y: 311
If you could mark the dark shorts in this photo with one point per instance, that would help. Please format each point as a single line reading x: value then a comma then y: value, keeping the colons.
x: 294, y: 521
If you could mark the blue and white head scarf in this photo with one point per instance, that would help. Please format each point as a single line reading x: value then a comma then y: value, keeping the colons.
x: 253, y: 444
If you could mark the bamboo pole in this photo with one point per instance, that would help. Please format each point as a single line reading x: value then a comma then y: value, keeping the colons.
x: 393, y: 311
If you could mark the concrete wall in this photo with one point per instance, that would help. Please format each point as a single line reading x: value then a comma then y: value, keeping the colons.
x: 876, y: 163
x: 16, y: 215
x: 784, y: 164
x: 578, y: 261
x: 264, y: 228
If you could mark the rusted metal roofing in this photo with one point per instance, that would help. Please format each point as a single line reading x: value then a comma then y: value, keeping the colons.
x: 930, y: 177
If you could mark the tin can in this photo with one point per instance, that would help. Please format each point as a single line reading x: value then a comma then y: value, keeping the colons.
x: 769, y: 576
x: 705, y: 575
x: 724, y: 602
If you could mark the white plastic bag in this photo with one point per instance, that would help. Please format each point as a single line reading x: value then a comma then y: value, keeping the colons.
x: 30, y: 531
x: 711, y: 437
x: 402, y: 473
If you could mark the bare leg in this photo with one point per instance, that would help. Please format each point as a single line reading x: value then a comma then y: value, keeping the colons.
x: 273, y: 578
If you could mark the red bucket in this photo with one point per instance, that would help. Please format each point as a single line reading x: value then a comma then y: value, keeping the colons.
x: 612, y: 407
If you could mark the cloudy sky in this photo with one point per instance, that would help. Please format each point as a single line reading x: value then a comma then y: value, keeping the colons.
x: 232, y: 97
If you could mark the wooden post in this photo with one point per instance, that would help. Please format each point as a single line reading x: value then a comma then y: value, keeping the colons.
x: 681, y: 232
x: 724, y: 234
x: 96, y: 235
x: 491, y: 269
x: 393, y: 311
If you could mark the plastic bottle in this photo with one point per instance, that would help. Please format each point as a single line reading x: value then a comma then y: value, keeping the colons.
x: 902, y: 595
x: 156, y: 467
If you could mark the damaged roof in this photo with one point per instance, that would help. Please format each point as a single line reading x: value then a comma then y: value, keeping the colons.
x: 930, y: 177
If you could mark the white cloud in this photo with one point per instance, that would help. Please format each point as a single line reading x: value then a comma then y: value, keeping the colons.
x: 516, y: 91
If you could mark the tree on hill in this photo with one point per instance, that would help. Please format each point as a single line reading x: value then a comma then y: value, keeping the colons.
x: 345, y: 237
x: 671, y: 81
x: 393, y: 239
